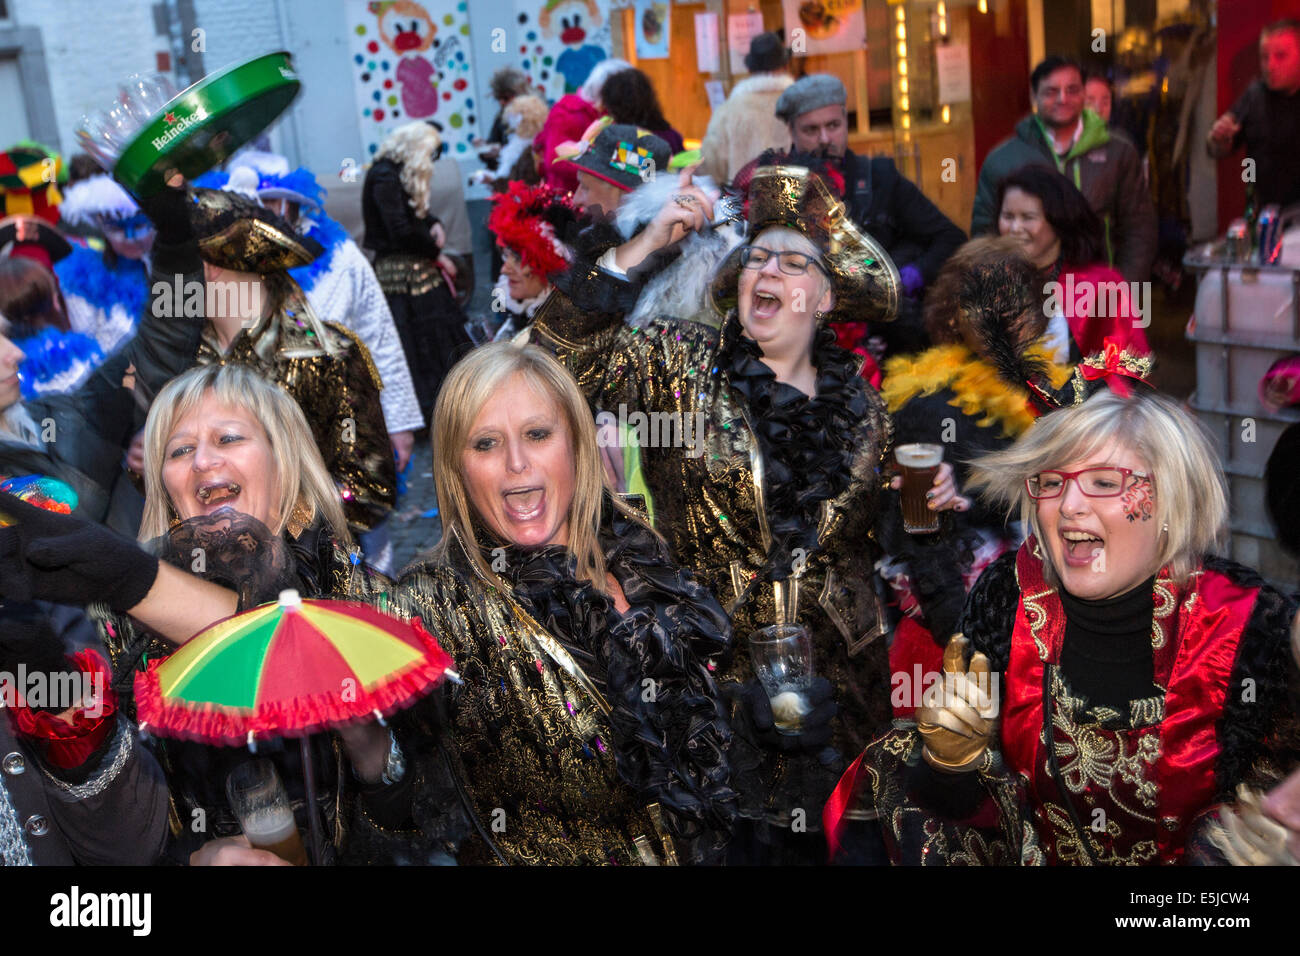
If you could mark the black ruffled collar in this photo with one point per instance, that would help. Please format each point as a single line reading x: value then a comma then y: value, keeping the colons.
x: 807, y: 443
x: 670, y: 746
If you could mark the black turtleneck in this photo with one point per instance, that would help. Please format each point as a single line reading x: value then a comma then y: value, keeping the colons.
x: 1106, y: 657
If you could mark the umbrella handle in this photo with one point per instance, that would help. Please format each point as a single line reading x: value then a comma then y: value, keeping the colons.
x: 313, y: 811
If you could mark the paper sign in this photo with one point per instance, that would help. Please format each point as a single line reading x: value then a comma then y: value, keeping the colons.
x: 952, y: 63
x: 742, y: 28
x: 707, y: 59
x: 652, y: 29
x: 715, y: 92
x: 824, y: 26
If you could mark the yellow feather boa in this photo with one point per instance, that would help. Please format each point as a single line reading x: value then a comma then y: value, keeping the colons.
x: 980, y: 393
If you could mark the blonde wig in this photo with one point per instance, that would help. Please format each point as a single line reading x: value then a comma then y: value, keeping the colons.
x: 466, y: 389
x: 302, y: 481
x: 413, y: 146
x: 1189, y: 492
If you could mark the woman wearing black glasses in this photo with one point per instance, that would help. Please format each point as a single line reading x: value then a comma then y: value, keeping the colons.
x: 1124, y: 682
x: 762, y: 449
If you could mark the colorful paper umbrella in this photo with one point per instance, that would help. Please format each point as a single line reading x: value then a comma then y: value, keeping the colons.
x: 289, y: 670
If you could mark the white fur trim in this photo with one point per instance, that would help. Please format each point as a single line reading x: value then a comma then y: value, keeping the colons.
x: 97, y: 196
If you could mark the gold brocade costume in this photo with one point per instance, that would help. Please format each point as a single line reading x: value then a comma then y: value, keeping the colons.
x: 529, y: 734
x: 336, y: 385
x: 705, y: 471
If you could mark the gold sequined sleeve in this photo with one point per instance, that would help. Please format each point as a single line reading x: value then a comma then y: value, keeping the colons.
x: 643, y: 367
x: 355, y: 440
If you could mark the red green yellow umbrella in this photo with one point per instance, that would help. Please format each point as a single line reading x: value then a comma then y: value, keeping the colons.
x: 289, y: 669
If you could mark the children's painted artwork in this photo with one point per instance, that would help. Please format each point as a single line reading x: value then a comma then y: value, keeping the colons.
x: 559, y: 41
x: 652, y: 31
x: 411, y: 61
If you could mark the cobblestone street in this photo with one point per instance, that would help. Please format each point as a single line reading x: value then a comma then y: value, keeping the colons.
x: 415, y: 524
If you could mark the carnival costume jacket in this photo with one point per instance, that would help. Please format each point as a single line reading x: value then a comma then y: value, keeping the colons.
x: 1223, y: 715
x: 329, y: 373
x: 767, y: 495
x: 363, y: 823
x: 948, y: 395
x: 560, y: 754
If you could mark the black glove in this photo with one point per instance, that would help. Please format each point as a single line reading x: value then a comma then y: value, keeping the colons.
x: 169, y: 211
x: 67, y: 560
x: 815, y: 730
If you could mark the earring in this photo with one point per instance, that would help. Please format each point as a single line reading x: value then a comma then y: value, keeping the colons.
x: 1165, y: 529
x: 173, y: 518
x: 298, y: 520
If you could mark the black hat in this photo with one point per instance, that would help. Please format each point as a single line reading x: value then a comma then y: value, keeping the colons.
x: 766, y: 54
x: 23, y: 230
x: 624, y: 156
x: 235, y: 232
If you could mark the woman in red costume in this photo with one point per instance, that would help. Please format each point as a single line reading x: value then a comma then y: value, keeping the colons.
x: 1123, y: 681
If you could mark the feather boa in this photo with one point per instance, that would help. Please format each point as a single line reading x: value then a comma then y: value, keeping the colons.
x: 57, y: 362
x: 980, y: 393
x: 85, y: 275
x: 331, y: 235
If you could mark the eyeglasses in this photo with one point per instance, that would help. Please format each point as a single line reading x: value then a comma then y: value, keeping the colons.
x: 1093, y: 482
x: 791, y: 263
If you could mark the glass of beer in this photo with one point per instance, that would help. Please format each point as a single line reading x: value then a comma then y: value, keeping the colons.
x: 918, y: 465
x: 259, y: 800
x: 782, y: 656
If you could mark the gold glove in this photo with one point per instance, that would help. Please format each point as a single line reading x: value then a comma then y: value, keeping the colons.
x: 1247, y: 837
x: 956, y: 719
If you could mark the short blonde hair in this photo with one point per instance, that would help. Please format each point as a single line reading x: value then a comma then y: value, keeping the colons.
x: 412, y: 146
x: 466, y: 389
x: 1189, y: 491
x: 302, y: 480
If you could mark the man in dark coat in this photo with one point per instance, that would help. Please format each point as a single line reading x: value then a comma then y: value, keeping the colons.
x: 880, y: 200
x: 1101, y: 162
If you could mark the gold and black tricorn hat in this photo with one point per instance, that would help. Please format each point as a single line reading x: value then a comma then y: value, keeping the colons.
x: 236, y: 233
x: 863, y: 276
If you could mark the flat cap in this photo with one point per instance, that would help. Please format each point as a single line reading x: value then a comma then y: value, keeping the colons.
x: 810, y: 93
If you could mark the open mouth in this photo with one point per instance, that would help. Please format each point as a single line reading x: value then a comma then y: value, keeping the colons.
x: 524, y: 504
x: 1081, y: 546
x: 766, y: 304
x: 216, y: 494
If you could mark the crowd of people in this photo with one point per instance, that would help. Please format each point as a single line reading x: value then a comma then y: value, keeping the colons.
x: 219, y: 367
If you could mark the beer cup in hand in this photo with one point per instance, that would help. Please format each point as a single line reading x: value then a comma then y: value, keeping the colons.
x: 918, y: 464
x: 956, y: 718
x: 259, y: 800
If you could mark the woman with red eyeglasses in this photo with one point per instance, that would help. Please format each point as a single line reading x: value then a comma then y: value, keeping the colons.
x: 1123, y: 681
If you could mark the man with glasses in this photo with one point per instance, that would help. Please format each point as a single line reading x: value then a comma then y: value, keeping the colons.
x: 1102, y: 163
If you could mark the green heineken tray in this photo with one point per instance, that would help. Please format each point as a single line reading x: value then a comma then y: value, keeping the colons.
x: 203, y: 125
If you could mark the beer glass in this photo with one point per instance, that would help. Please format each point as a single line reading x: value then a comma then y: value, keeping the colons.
x: 782, y: 656
x: 918, y: 465
x: 259, y: 800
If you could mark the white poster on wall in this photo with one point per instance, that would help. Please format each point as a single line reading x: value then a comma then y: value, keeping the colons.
x: 557, y: 42
x: 707, y: 59
x: 952, y: 63
x: 741, y: 28
x: 652, y: 31
x: 824, y: 26
x: 412, y: 61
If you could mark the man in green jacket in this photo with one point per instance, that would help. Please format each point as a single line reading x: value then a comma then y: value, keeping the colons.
x: 1101, y: 162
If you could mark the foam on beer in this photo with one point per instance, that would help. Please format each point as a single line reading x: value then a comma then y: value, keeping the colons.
x: 919, y: 456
